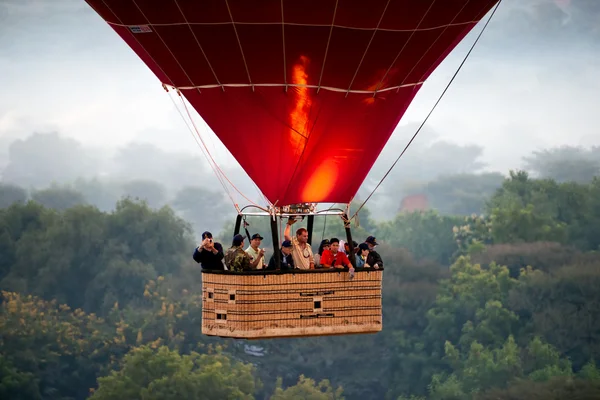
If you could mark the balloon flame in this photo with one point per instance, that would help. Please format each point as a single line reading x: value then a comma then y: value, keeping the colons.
x: 299, y: 114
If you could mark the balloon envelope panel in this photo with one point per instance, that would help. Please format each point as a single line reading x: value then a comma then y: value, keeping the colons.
x: 304, y: 94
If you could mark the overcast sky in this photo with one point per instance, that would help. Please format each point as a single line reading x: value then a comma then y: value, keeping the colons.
x: 530, y: 83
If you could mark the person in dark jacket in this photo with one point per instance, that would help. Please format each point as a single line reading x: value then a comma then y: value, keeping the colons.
x: 374, y: 256
x: 209, y: 254
x: 287, y: 262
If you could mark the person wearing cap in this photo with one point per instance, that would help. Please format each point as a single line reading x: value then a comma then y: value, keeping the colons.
x: 236, y: 258
x: 364, y: 258
x: 371, y: 243
x: 334, y: 257
x: 209, y: 254
x: 322, y: 247
x: 301, y: 250
x: 287, y: 261
x: 257, y: 255
x: 347, y: 248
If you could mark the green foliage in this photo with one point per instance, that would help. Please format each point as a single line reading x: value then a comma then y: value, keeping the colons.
x: 10, y: 194
x: 474, y: 306
x: 425, y: 235
x: 50, y: 351
x: 561, y: 307
x: 473, y: 235
x: 16, y: 384
x: 87, y: 258
x: 557, y: 388
x: 307, y: 389
x: 154, y: 194
x: 526, y: 210
x: 545, y: 256
x: 460, y: 194
x: 164, y: 374
x: 565, y: 164
x: 58, y: 198
x: 469, y: 306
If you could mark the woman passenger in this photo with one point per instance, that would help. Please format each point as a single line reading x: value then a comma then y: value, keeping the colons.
x: 362, y: 257
x: 322, y: 247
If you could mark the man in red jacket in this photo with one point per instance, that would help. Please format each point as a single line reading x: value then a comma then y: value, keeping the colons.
x: 333, y: 257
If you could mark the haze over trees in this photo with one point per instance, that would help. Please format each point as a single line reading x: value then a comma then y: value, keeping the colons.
x: 491, y: 293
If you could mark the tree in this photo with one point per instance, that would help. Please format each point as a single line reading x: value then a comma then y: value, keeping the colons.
x: 526, y: 210
x: 460, y: 194
x: 10, y: 194
x: 425, y: 161
x: 88, y: 258
x: 205, y: 210
x: 146, y: 162
x: 103, y: 194
x: 565, y: 164
x: 153, y: 193
x: 50, y: 351
x: 425, y: 235
x: 164, y: 374
x: 58, y: 198
x: 41, y: 159
x: 308, y: 389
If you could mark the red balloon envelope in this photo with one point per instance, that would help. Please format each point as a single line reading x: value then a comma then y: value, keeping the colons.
x: 305, y: 94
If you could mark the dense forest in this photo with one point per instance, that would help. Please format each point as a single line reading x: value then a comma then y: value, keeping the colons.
x: 489, y: 294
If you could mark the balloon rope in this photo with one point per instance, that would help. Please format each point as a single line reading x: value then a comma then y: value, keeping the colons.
x: 431, y: 111
x: 219, y: 177
x: 218, y: 171
x: 208, y: 152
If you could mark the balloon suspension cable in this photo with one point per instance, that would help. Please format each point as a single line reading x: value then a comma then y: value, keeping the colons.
x: 221, y: 176
x: 225, y: 188
x: 432, y: 109
x: 325, y: 221
x: 208, y: 152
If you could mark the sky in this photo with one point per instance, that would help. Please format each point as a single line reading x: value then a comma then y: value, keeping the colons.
x: 529, y: 84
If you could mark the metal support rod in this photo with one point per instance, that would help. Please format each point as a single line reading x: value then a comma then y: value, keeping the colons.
x: 238, y: 224
x: 351, y: 256
x: 309, y: 227
x: 276, y: 249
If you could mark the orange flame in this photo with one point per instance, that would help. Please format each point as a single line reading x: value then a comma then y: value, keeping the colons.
x: 299, y: 114
x: 321, y: 182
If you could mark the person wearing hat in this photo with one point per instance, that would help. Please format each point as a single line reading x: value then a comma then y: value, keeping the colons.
x: 236, y: 258
x: 364, y: 258
x: 209, y: 254
x: 347, y: 247
x: 376, y: 258
x: 257, y: 255
x: 287, y: 261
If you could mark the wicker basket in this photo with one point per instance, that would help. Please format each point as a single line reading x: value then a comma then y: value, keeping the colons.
x: 265, y: 304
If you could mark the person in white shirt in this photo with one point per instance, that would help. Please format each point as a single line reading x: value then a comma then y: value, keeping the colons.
x: 257, y: 255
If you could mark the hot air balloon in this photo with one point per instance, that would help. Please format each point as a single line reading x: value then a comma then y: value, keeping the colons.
x: 305, y: 95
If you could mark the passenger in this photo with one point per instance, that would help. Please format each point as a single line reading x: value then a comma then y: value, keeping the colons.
x: 287, y: 261
x: 347, y: 248
x: 343, y: 246
x: 371, y: 242
x: 236, y: 258
x: 209, y: 254
x: 364, y: 259
x: 257, y: 255
x: 334, y: 257
x: 301, y: 250
x: 323, y: 246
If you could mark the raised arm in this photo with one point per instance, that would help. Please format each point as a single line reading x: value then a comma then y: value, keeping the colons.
x: 288, y: 227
